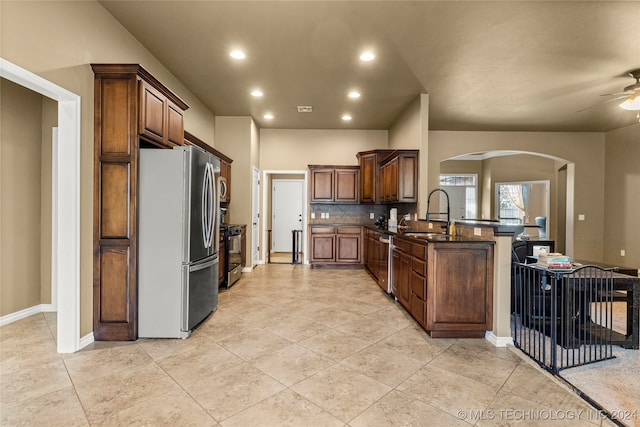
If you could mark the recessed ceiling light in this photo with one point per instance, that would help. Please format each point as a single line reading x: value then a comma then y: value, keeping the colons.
x: 367, y: 56
x: 268, y: 116
x: 354, y: 94
x: 346, y: 117
x: 256, y: 92
x: 237, y: 54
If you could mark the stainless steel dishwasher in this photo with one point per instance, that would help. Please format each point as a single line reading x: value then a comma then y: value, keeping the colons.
x: 384, y: 257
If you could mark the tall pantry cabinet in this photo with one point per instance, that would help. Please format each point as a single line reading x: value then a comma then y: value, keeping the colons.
x: 131, y: 108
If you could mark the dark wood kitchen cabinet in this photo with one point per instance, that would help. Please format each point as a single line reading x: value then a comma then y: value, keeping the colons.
x: 371, y: 253
x: 460, y: 290
x: 389, y: 174
x: 399, y: 177
x: 334, y: 184
x: 130, y: 107
x: 401, y: 271
x: 323, y: 245
x: 370, y: 174
x: 336, y: 245
x: 418, y: 285
x: 349, y: 245
x: 161, y: 120
x: 321, y: 181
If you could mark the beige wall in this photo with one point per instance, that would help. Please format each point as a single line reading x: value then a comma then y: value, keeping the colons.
x: 20, y: 201
x: 58, y: 40
x: 404, y: 133
x: 295, y: 149
x: 586, y: 150
x: 411, y: 131
x: 622, y: 196
x: 235, y: 138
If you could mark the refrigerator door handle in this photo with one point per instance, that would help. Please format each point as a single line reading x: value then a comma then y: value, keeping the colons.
x: 210, y: 204
x: 208, y: 193
x: 203, y: 206
x: 216, y: 219
x: 203, y: 265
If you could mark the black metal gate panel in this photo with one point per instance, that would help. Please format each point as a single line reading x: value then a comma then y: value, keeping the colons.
x: 562, y: 318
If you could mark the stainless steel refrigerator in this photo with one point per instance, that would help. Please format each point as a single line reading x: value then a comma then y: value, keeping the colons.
x: 178, y: 229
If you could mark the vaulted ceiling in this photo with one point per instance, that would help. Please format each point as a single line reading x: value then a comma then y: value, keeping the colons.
x: 503, y: 65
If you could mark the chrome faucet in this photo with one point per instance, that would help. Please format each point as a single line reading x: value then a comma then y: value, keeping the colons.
x: 448, y: 212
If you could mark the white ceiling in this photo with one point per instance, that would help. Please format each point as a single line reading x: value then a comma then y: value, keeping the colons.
x: 503, y: 65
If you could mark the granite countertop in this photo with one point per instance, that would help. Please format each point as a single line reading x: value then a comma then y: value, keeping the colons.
x: 438, y: 238
x: 429, y: 236
x: 412, y: 234
x: 339, y: 225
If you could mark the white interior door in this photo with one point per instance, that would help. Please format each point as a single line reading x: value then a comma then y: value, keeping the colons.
x: 255, y: 218
x: 286, y: 207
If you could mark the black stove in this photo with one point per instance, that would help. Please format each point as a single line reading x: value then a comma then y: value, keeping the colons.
x: 232, y: 254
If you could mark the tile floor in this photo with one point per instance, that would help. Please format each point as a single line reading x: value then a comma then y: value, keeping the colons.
x: 285, y: 258
x: 288, y: 346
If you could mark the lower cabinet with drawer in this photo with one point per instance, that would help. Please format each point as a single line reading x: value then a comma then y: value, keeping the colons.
x: 401, y: 272
x: 335, y: 245
x: 446, y: 287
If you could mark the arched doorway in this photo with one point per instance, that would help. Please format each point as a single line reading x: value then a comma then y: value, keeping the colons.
x: 499, y: 166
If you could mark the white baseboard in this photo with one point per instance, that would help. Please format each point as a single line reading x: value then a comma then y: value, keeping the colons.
x: 18, y: 315
x: 498, y: 341
x: 247, y: 269
x: 36, y: 309
x: 86, y: 340
x: 47, y: 308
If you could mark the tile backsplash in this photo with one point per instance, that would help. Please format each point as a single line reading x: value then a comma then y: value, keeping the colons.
x: 352, y: 214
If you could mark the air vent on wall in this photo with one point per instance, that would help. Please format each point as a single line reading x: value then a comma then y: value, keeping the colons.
x: 305, y: 109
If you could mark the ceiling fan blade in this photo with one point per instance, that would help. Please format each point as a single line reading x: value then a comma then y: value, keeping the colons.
x: 617, y: 98
x: 626, y: 95
x: 615, y: 94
